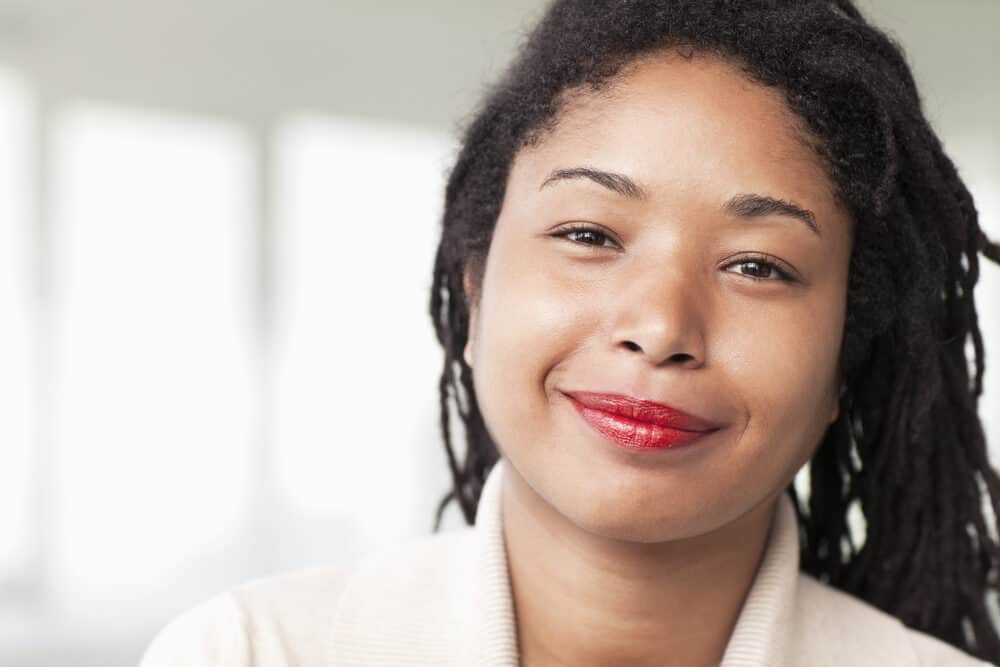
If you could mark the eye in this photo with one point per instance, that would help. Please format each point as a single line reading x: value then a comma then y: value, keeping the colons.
x: 763, y: 268
x: 586, y: 232
x: 765, y: 265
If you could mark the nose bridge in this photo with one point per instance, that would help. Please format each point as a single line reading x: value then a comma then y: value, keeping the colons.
x: 660, y: 307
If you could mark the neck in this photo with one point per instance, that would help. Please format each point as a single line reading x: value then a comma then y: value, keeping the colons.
x: 584, y: 599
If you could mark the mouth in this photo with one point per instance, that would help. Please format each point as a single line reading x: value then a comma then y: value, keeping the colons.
x: 638, y: 424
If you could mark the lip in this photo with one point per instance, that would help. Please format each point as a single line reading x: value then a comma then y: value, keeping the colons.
x: 637, y: 423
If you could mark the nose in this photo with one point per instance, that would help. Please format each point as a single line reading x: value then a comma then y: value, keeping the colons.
x: 660, y: 315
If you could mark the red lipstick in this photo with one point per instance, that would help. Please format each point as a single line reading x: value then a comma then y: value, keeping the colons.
x: 639, y: 424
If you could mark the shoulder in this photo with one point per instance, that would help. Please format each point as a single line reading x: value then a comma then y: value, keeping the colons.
x: 211, y: 633
x: 836, y: 628
x: 278, y: 620
x: 933, y: 651
x: 288, y: 619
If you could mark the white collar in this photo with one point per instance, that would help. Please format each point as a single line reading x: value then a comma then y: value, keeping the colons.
x: 445, y: 599
x: 760, y: 636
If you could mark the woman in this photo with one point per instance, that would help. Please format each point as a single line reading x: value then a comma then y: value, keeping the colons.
x: 689, y: 247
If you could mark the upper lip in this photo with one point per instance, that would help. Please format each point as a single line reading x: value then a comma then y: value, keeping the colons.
x: 643, y: 410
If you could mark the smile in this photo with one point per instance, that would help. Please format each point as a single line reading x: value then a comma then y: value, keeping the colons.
x: 635, y: 434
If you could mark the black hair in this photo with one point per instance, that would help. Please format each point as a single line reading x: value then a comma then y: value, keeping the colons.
x: 908, y: 449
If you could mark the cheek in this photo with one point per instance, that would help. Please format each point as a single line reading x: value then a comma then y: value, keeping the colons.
x: 784, y: 365
x: 528, y: 324
x: 528, y: 314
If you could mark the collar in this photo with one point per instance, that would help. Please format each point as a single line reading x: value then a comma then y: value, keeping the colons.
x: 445, y: 598
x: 760, y: 637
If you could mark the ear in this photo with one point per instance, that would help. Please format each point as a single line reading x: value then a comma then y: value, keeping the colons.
x: 467, y: 353
x: 469, y: 299
x: 836, y: 403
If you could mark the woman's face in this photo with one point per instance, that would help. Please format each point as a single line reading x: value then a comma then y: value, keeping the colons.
x: 662, y: 303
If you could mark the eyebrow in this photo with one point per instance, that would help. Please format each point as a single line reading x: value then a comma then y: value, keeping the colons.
x: 746, y: 205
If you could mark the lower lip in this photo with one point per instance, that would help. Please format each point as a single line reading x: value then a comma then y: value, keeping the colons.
x: 634, y: 435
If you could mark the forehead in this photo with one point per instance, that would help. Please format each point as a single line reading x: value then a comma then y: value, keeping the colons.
x: 695, y: 124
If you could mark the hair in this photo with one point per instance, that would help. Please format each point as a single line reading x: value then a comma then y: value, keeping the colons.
x: 908, y: 449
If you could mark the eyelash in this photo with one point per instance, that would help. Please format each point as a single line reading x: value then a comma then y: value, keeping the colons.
x: 756, y: 258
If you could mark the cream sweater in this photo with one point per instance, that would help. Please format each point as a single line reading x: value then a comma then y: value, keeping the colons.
x: 444, y: 599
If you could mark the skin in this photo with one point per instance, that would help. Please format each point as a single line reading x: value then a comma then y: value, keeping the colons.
x: 635, y: 558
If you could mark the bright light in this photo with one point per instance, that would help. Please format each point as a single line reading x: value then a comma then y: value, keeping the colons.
x: 17, y: 354
x: 358, y: 207
x: 153, y: 383
x: 979, y: 167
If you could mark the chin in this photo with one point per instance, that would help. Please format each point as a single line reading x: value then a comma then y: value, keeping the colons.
x: 644, y: 533
x: 643, y: 525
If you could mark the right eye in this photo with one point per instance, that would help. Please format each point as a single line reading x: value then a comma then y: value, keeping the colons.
x: 585, y: 231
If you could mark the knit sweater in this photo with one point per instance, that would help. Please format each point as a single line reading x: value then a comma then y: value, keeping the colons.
x: 444, y: 599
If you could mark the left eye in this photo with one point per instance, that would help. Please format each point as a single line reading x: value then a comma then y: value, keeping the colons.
x: 763, y: 267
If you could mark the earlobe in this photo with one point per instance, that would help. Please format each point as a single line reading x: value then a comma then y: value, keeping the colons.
x: 467, y: 353
x: 467, y: 285
x: 836, y: 404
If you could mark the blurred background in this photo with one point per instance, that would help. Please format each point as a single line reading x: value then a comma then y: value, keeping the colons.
x: 217, y: 227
